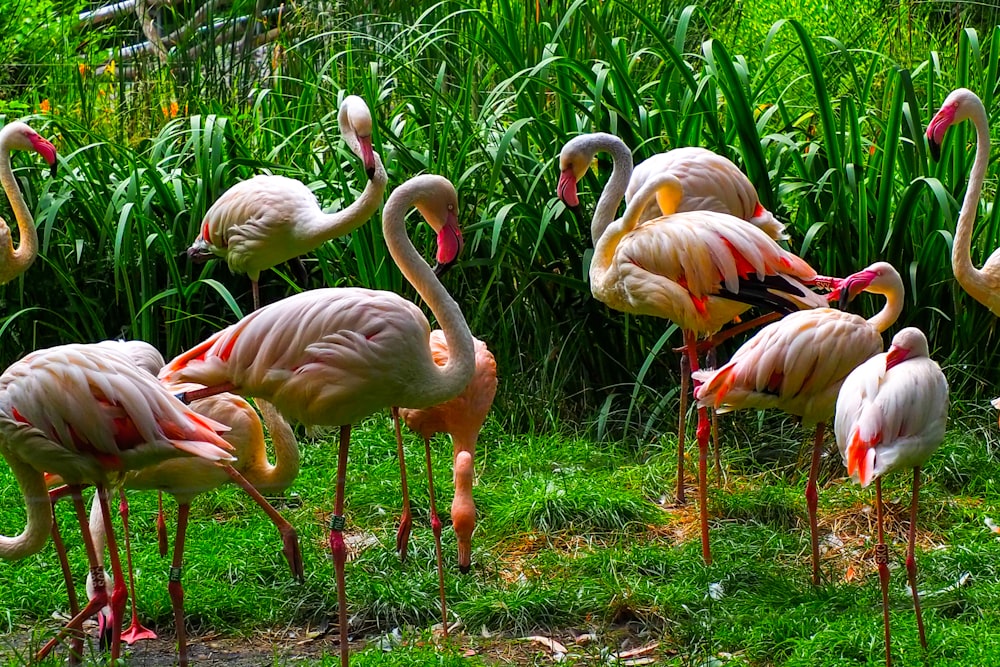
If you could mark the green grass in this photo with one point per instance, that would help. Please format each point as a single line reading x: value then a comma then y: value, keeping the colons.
x: 572, y: 538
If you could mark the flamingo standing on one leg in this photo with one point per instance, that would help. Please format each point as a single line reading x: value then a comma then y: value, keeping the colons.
x: 891, y: 415
x: 14, y: 262
x: 353, y: 351
x: 699, y: 269
x: 266, y: 220
x: 798, y: 364
x: 710, y: 182
x: 87, y: 414
x: 983, y: 285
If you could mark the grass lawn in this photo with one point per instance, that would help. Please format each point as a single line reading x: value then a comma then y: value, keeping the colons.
x: 576, y: 539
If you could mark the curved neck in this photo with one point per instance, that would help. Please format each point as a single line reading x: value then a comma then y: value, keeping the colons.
x: 446, y: 381
x: 968, y: 276
x: 614, y: 190
x: 39, y: 523
x: 258, y: 470
x: 326, y: 226
x: 885, y: 318
x: 16, y: 261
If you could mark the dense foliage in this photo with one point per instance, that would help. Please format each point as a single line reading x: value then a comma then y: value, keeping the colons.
x: 829, y: 128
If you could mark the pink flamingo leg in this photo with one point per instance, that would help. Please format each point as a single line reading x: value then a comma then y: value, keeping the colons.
x: 100, y: 598
x: 436, y: 527
x: 76, y: 645
x: 174, y: 586
x: 812, y: 499
x: 882, y: 559
x: 682, y: 426
x: 120, y: 592
x: 256, y: 294
x: 911, y: 561
x: 703, y: 433
x: 161, y: 525
x: 406, y: 519
x: 289, y: 538
x: 136, y: 631
x: 337, y: 545
x: 711, y: 361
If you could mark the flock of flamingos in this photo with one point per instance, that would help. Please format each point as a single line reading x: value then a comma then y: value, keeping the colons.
x: 693, y: 246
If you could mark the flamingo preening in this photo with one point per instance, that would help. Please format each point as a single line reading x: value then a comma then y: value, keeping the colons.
x: 699, y: 269
x: 983, y: 285
x: 266, y: 220
x: 799, y: 363
x: 891, y: 415
x: 89, y: 415
x: 15, y: 261
x: 333, y: 356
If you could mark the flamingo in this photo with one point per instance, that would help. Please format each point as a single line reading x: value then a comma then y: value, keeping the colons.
x: 351, y: 351
x: 187, y: 478
x: 983, y: 285
x: 87, y: 414
x: 699, y: 269
x: 14, y: 262
x: 266, y: 220
x: 891, y: 415
x: 710, y: 182
x: 798, y: 364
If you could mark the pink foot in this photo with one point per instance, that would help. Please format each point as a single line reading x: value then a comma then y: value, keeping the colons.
x: 137, y: 633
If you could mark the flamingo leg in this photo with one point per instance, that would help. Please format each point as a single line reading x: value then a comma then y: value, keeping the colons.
x: 188, y: 397
x: 703, y: 433
x: 712, y: 362
x: 100, y: 598
x: 289, y: 537
x: 436, y: 528
x: 682, y: 427
x: 120, y: 592
x: 136, y: 631
x: 882, y: 559
x: 256, y: 294
x: 337, y: 545
x: 76, y: 646
x: 736, y: 330
x: 406, y: 519
x: 174, y: 586
x: 161, y: 526
x: 911, y: 561
x: 812, y: 499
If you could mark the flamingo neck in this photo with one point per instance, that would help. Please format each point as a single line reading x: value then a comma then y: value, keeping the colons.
x: 614, y: 189
x: 325, y: 226
x: 885, y: 318
x: 442, y: 382
x: 39, y: 513
x: 258, y: 470
x: 973, y: 280
x: 14, y: 262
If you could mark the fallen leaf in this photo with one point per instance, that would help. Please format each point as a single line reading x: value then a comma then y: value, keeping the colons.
x: 850, y: 574
x: 637, y: 651
x: 548, y: 643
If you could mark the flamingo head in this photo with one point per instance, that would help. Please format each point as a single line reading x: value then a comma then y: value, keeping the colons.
x: 20, y: 136
x: 355, y: 120
x: 441, y: 213
x: 958, y: 106
x: 574, y: 162
x: 879, y: 278
x: 907, y: 344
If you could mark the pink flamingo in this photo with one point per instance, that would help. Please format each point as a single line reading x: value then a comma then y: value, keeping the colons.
x: 709, y: 181
x: 87, y: 414
x: 266, y: 220
x: 891, y: 415
x: 699, y: 269
x: 351, y: 351
x: 798, y: 364
x: 983, y: 285
x: 14, y: 262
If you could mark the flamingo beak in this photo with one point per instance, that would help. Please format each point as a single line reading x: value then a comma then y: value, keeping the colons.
x: 450, y: 245
x: 45, y: 148
x: 942, y: 120
x: 566, y: 190
x: 367, y: 156
x: 854, y: 285
x: 895, y: 356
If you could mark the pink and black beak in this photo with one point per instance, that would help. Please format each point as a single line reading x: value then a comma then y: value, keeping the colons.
x: 450, y: 244
x: 942, y: 120
x: 45, y: 148
x: 895, y: 356
x: 367, y: 155
x: 566, y: 189
x: 853, y: 285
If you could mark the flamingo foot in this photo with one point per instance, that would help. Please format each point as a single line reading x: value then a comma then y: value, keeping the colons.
x: 403, y: 534
x: 292, y: 552
x: 137, y: 632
